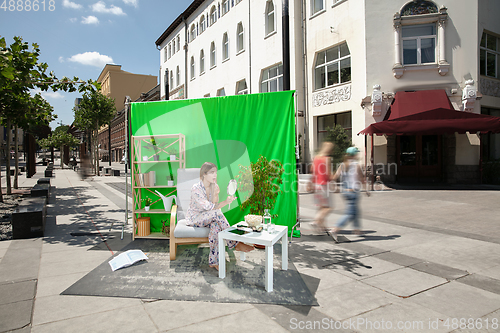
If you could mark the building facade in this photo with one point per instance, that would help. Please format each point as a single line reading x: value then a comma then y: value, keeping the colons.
x: 351, y: 60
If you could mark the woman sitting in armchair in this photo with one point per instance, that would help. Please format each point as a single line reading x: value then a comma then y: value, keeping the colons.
x: 204, y: 211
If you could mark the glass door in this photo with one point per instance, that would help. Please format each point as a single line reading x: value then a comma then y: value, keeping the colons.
x: 419, y: 158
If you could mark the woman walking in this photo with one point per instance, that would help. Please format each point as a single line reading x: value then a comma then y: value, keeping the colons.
x: 321, y: 177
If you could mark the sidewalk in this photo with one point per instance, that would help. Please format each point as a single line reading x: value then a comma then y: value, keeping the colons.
x: 428, y: 259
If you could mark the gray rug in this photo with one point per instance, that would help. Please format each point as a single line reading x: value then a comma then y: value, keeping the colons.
x: 189, y: 278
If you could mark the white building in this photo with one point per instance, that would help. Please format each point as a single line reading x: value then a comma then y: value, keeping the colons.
x: 350, y: 60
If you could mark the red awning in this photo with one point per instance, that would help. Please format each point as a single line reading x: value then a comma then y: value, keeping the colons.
x: 437, y: 121
x: 430, y: 112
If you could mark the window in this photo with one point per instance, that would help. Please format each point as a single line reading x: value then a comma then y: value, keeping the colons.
x: 225, y: 6
x: 344, y: 119
x: 317, y: 6
x: 221, y: 92
x: 239, y: 38
x: 178, y: 43
x: 419, y: 44
x: 332, y: 66
x: 202, y: 24
x: 238, y: 1
x: 213, y: 15
x: 178, y: 77
x: 202, y: 62
x: 193, y: 32
x: 241, y: 87
x: 491, y: 141
x: 165, y: 54
x: 225, y: 47
x: 269, y: 17
x: 169, y: 51
x: 489, y: 53
x: 171, y: 80
x: 173, y: 47
x: 206, y: 95
x: 192, y: 68
x: 212, y: 55
x: 272, y: 79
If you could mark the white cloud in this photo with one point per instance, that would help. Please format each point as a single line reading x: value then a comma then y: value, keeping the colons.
x: 90, y: 20
x: 100, y: 7
x: 69, y: 4
x: 132, y: 2
x: 73, y: 19
x: 47, y: 94
x: 61, y: 59
x: 92, y: 59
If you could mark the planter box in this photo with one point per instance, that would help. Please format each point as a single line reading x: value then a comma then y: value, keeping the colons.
x: 28, y: 220
x: 143, y: 226
x: 43, y: 181
x: 48, y: 172
x: 116, y: 172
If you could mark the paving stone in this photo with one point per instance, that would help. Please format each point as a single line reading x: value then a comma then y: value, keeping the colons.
x: 443, y: 271
x: 12, y: 292
x: 398, y: 258
x: 362, y: 268
x: 404, y: 282
x: 15, y: 315
x: 482, y: 282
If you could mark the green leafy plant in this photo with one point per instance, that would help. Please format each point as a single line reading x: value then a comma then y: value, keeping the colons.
x: 262, y: 179
x: 172, y: 151
x: 341, y: 140
x: 165, y: 229
x: 147, y: 201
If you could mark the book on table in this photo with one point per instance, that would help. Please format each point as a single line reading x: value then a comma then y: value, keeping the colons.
x: 126, y: 259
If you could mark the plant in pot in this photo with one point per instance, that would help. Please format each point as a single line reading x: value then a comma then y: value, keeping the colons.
x: 147, y: 203
x: 261, y: 180
x: 155, y: 148
x: 172, y: 152
x: 165, y: 229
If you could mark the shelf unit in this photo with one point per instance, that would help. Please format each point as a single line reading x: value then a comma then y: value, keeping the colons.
x: 162, y: 145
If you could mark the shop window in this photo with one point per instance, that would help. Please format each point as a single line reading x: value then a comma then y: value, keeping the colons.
x: 343, y: 119
x: 491, y: 141
x: 272, y: 79
x: 489, y: 52
x: 332, y: 67
x: 269, y: 17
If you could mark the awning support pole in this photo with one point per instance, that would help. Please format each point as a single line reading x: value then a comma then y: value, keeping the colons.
x: 371, y: 162
x: 480, y: 158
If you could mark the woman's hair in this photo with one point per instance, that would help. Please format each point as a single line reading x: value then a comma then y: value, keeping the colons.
x: 326, y: 148
x: 205, y: 168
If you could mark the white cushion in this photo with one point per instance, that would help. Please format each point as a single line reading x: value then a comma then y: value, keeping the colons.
x: 182, y: 230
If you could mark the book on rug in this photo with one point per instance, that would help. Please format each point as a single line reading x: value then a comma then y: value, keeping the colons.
x: 127, y: 258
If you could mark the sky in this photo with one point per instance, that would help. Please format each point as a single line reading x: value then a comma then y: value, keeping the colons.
x: 79, y: 37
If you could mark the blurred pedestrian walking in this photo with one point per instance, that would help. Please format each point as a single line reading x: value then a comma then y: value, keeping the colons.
x: 352, y: 178
x: 322, y: 174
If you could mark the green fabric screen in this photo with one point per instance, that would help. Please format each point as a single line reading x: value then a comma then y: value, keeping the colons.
x: 227, y: 131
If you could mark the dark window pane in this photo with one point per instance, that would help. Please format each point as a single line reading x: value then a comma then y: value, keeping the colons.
x: 491, y: 42
x: 319, y: 77
x: 273, y: 85
x: 263, y: 87
x: 491, y: 60
x: 344, y: 50
x: 408, y: 150
x: 320, y: 59
x: 430, y: 150
x: 483, y: 40
x: 333, y: 74
x: 344, y: 119
x: 345, y: 70
x: 409, y: 52
x: 482, y: 62
x: 419, y: 30
x: 332, y: 54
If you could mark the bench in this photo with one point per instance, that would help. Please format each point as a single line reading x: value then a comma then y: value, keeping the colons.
x: 28, y: 220
x: 48, y: 172
x: 41, y: 190
x: 115, y: 172
x: 43, y: 181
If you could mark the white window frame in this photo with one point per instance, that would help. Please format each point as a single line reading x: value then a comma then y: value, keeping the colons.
x: 418, y: 39
x: 240, y: 38
x: 241, y: 91
x: 203, y: 23
x: 202, y: 62
x: 213, y: 15
x: 269, y: 30
x: 225, y: 47
x: 171, y: 80
x: 192, y: 68
x: 269, y: 79
x: 491, y: 51
x: 213, y: 55
x: 315, y: 12
x: 178, y: 76
x: 169, y: 50
x: 221, y: 92
x: 178, y: 43
x: 192, y: 32
x: 326, y: 64
x: 173, y: 47
x: 225, y: 6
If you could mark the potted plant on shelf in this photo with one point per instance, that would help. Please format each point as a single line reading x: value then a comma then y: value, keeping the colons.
x: 165, y: 229
x: 172, y: 152
x: 155, y: 148
x: 261, y: 182
x: 147, y: 203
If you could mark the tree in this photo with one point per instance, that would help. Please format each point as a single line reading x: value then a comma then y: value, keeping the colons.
x: 262, y: 181
x: 341, y: 141
x: 58, y: 139
x: 94, y: 110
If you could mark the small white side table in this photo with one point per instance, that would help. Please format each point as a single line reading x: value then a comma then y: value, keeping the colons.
x: 262, y: 238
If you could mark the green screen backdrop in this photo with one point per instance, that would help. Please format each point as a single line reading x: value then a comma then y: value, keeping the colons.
x: 227, y: 131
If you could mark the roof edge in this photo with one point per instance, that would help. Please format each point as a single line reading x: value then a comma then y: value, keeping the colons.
x: 192, y: 7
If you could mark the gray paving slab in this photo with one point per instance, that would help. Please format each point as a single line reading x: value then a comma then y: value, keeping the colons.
x: 322, y: 278
x: 363, y: 268
x: 352, y: 299
x: 11, y: 292
x: 458, y: 300
x: 482, y: 282
x: 15, y: 315
x: 397, y: 258
x: 21, y: 261
x: 405, y: 282
x: 443, y: 271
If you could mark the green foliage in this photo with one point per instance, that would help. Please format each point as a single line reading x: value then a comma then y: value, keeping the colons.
x: 341, y: 141
x: 264, y: 179
x: 95, y: 109
x: 147, y: 201
x: 58, y: 139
